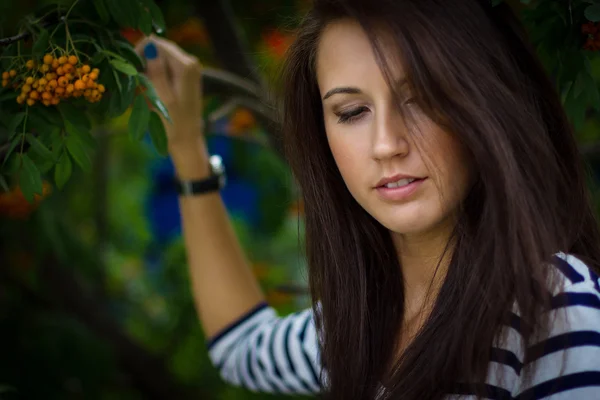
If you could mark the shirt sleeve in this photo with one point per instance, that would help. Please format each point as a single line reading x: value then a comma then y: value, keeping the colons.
x: 263, y: 352
x: 566, y: 365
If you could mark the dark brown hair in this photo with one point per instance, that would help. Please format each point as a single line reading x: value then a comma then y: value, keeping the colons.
x: 471, y: 67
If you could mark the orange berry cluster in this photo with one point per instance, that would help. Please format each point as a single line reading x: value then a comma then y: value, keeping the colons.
x: 13, y: 204
x: 592, y: 31
x: 57, y: 78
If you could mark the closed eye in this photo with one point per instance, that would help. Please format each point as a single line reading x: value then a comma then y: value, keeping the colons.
x: 352, y: 115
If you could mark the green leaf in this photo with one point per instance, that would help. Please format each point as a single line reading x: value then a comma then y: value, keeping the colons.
x: 97, y: 58
x: 157, y: 15
x: 591, y: 90
x: 13, y: 144
x: 50, y: 114
x: 41, y: 43
x: 57, y: 145
x: 124, y: 12
x: 62, y: 171
x: 594, y: 94
x: 128, y: 93
x: 592, y: 13
x: 84, y: 137
x: 572, y: 64
x: 112, y: 54
x: 37, y: 124
x: 580, y: 84
x: 4, y: 185
x: 140, y: 116
x: 117, y: 81
x: 43, y: 166
x: 79, y: 153
x: 76, y: 116
x: 114, y: 107
x: 154, y: 99
x: 78, y: 124
x: 39, y: 147
x: 102, y: 11
x: 128, y: 52
x: 576, y: 109
x: 120, y: 102
x: 30, y: 179
x: 158, y: 134
x: 15, y: 122
x: 9, y: 96
x: 12, y: 164
x: 124, y: 67
x: 5, y: 119
x: 145, y: 23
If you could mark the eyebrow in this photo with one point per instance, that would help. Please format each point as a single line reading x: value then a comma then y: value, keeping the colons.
x: 338, y: 90
x: 354, y: 90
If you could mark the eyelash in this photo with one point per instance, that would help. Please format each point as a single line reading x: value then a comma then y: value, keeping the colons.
x: 355, y: 114
x: 352, y: 115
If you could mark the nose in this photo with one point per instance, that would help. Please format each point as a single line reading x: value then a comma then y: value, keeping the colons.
x: 390, y: 137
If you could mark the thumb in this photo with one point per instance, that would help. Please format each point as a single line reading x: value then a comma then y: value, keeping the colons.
x: 157, y: 71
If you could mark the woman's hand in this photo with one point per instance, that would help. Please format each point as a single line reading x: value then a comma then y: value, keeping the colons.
x: 176, y: 76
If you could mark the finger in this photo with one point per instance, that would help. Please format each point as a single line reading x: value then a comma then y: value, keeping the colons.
x: 177, y: 59
x: 184, y: 71
x: 184, y: 67
x: 157, y: 72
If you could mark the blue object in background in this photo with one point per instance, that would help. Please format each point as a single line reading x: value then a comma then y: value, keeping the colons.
x: 240, y: 196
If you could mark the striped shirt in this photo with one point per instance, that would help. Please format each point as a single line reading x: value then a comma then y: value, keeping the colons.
x: 266, y: 353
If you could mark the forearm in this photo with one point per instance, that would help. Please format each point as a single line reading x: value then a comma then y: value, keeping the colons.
x: 223, y: 285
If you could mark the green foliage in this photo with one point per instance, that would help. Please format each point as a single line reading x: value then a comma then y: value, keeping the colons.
x: 557, y: 30
x: 62, y: 134
x: 97, y: 229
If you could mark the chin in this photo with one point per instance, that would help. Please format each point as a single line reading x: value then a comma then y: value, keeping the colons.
x: 411, y: 223
x: 407, y: 227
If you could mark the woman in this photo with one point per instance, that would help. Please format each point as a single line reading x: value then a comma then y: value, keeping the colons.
x: 447, y: 219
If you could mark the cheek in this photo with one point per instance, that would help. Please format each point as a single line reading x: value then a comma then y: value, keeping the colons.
x: 347, y: 156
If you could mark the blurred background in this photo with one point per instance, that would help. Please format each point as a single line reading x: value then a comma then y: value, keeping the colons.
x: 94, y: 291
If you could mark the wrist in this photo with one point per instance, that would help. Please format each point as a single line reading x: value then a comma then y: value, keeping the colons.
x: 214, y: 182
x: 190, y: 161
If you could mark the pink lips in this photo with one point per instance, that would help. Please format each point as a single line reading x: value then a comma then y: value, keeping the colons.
x: 394, y: 178
x: 398, y: 194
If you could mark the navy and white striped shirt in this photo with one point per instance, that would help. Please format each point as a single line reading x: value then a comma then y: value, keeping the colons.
x: 265, y: 353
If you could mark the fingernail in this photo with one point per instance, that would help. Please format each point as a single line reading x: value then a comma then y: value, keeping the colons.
x: 150, y: 51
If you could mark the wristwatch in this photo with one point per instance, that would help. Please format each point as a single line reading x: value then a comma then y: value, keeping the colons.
x: 215, y: 182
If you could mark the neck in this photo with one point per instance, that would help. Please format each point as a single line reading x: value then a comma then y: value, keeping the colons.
x: 424, y: 258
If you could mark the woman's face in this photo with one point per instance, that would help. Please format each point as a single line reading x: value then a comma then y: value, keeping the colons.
x: 381, y: 165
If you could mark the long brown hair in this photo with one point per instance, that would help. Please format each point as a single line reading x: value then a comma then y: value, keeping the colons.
x: 471, y: 67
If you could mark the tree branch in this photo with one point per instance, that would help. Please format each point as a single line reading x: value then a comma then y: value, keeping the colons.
x: 222, y: 28
x: 215, y: 79
x: 12, y: 39
x: 24, y: 35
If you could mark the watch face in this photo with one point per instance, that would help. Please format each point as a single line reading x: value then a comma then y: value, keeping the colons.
x: 216, y: 164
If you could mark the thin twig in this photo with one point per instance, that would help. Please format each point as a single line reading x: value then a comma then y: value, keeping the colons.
x: 233, y: 80
x: 23, y: 35
x: 12, y: 39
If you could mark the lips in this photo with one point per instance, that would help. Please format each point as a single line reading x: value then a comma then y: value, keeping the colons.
x: 400, y: 190
x: 396, y: 181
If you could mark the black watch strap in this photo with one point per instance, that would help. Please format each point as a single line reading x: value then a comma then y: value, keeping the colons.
x: 210, y: 184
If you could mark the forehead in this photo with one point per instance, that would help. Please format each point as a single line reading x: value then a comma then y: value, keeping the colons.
x: 345, y: 56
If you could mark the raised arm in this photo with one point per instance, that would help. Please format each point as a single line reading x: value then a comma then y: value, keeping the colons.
x: 223, y: 285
